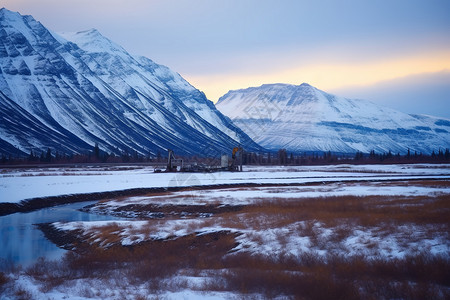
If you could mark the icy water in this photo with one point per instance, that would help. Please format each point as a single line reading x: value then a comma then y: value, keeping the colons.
x: 23, y: 243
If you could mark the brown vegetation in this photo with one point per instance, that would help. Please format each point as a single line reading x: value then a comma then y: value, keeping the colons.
x: 362, y: 210
x: 3, y: 280
x: 157, y: 263
x: 313, y: 277
x: 307, y: 277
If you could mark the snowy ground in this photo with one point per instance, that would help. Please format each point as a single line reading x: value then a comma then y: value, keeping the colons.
x: 20, y: 184
x: 274, y: 222
x: 253, y: 195
x: 273, y: 238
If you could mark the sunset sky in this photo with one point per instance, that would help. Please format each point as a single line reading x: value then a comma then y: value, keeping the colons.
x: 395, y: 53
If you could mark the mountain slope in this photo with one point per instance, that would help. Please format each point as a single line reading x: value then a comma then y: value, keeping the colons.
x: 303, y: 118
x: 18, y: 127
x: 88, y: 86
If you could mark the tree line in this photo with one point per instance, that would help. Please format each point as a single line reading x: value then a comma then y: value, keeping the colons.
x: 281, y: 157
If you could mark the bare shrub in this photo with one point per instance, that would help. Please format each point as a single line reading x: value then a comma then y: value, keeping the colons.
x: 154, y: 260
x: 340, y: 233
x: 326, y: 222
x: 313, y: 277
x: 49, y: 273
x: 367, y: 211
x: 22, y: 294
x: 4, y: 280
x: 108, y: 234
x: 308, y: 278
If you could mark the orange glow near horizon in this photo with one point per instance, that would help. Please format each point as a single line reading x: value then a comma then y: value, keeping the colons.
x: 326, y: 76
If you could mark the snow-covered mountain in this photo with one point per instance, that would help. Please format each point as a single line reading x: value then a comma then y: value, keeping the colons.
x: 70, y: 91
x: 304, y: 118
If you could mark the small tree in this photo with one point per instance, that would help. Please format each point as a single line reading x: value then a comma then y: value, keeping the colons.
x: 48, y: 155
x: 158, y: 156
x: 96, y: 151
x: 282, y: 156
x: 31, y: 156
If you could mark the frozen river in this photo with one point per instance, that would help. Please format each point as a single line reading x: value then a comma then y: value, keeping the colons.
x: 22, y: 242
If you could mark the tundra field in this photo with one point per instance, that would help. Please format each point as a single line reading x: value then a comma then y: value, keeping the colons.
x: 341, y: 232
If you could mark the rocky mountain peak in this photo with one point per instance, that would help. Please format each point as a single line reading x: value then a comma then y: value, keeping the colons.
x: 303, y: 118
x: 91, y: 91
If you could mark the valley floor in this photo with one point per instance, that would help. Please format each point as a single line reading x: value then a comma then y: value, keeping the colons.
x: 347, y: 232
x: 19, y: 184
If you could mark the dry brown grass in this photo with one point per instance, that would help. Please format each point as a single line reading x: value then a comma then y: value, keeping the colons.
x: 4, y: 280
x: 418, y: 275
x: 362, y: 210
x: 313, y: 277
x: 421, y: 183
x: 104, y: 235
x: 155, y: 259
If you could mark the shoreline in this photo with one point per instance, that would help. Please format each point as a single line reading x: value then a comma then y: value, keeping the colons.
x: 28, y: 205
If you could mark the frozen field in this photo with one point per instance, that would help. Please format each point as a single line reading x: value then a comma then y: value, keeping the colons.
x: 349, y: 231
x: 20, y: 184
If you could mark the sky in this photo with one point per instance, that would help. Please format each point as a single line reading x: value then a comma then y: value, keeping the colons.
x: 392, y: 52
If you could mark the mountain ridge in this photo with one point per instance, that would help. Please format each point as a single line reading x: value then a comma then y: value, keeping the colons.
x: 87, y: 85
x: 302, y: 118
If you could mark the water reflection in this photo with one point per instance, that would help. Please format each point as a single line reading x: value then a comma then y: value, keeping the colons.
x: 21, y: 241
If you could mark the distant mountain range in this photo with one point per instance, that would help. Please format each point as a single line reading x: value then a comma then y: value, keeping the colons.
x: 302, y: 118
x: 71, y: 91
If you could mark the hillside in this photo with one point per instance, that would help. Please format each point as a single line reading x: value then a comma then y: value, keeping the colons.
x: 304, y: 118
x: 83, y: 89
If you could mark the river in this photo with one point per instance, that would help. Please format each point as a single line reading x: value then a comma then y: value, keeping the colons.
x: 23, y: 243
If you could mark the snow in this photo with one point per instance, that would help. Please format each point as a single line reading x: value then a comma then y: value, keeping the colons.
x: 92, y: 41
x: 255, y: 236
x: 144, y: 81
x: 139, y: 105
x: 16, y: 21
x: 131, y: 232
x: 17, y: 185
x: 304, y: 118
x: 266, y: 240
x: 395, y: 245
x: 239, y: 196
x: 259, y: 236
x: 370, y: 242
x: 84, y: 289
